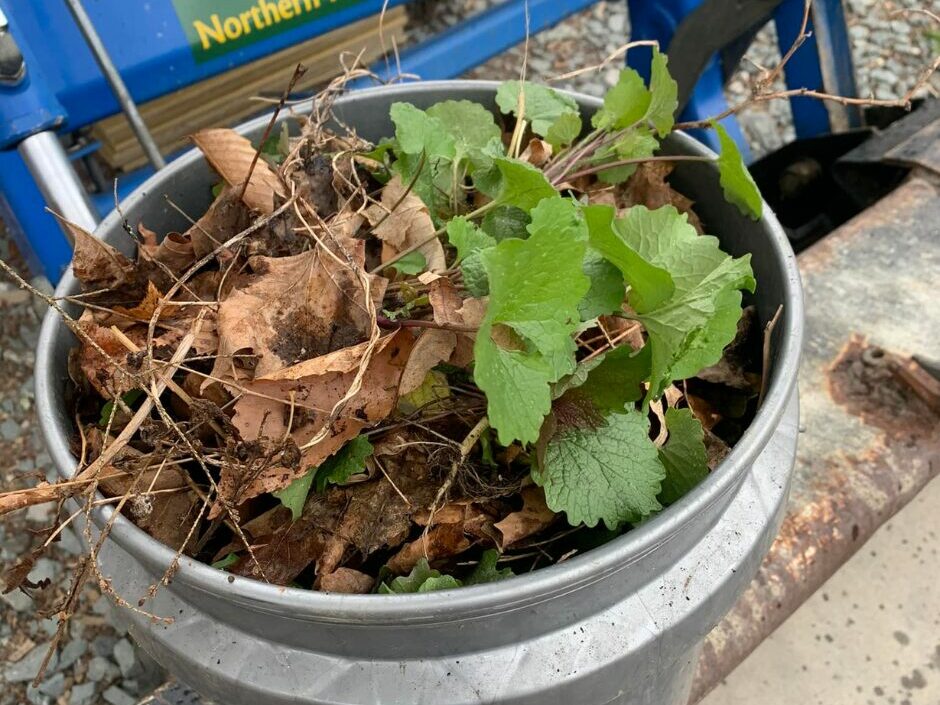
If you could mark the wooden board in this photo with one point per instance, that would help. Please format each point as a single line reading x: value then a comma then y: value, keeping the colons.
x: 226, y: 99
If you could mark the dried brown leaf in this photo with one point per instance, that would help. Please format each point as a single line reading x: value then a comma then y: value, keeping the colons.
x: 537, y: 152
x: 96, y: 264
x: 347, y: 581
x: 231, y: 155
x: 293, y: 309
x: 648, y: 187
x: 432, y: 347
x: 316, y: 386
x: 534, y: 517
x: 405, y: 225
x: 226, y: 217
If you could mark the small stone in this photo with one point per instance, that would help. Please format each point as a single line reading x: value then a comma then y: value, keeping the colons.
x: 50, y: 625
x: 39, y: 514
x: 102, y: 607
x: 617, y: 23
x: 103, y: 645
x: 26, y: 668
x: 54, y: 686
x: 73, y: 651
x: 35, y: 697
x: 9, y: 430
x: 83, y: 694
x: 69, y: 543
x: 44, y: 569
x: 100, y: 669
x: 126, y: 658
x: 18, y: 600
x: 116, y: 696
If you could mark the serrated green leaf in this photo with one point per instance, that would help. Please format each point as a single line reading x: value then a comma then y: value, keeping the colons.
x: 475, y: 279
x: 470, y: 124
x: 650, y: 285
x: 564, y: 130
x: 226, y: 562
x: 736, y: 181
x: 609, y: 471
x: 683, y: 456
x: 607, y: 290
x: 467, y: 237
x: 433, y: 184
x: 422, y: 578
x: 617, y: 380
x: 486, y: 570
x: 504, y: 222
x: 625, y: 104
x: 634, y: 144
x: 683, y: 287
x: 522, y: 185
x: 335, y: 470
x: 535, y: 287
x: 411, y: 264
x: 417, y: 132
x: 665, y: 95
x: 544, y: 108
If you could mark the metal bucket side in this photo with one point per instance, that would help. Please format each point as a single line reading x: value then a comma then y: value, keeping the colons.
x: 577, y: 588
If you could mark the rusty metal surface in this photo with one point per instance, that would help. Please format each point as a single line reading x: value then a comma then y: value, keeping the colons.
x: 868, y: 441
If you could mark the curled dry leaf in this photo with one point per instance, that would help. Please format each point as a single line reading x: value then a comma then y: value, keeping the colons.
x: 537, y: 152
x: 442, y: 541
x: 347, y: 581
x: 648, y: 187
x: 107, y: 374
x: 535, y: 516
x: 293, y: 309
x: 402, y: 221
x: 315, y: 387
x: 231, y: 155
x: 226, y: 217
x: 166, y: 515
x: 432, y: 347
x: 96, y: 264
x: 450, y: 309
x: 175, y: 251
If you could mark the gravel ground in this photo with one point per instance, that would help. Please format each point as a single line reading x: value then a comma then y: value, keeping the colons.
x: 96, y: 663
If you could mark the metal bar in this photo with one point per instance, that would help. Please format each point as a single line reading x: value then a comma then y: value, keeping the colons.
x: 835, y: 62
x: 869, y: 442
x: 113, y: 77
x: 49, y: 164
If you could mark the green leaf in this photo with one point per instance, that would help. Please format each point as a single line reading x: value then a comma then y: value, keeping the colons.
x: 522, y: 185
x: 433, y: 389
x: 294, y: 496
x: 411, y: 264
x: 635, y: 144
x: 475, y: 279
x: 107, y: 410
x: 433, y: 184
x: 608, y: 471
x: 217, y: 189
x: 550, y: 113
x: 736, y: 181
x: 564, y: 130
x: 486, y: 570
x: 650, y: 285
x: 417, y: 132
x: 683, y: 456
x: 616, y: 381
x: 535, y: 287
x: 607, y: 291
x: 335, y: 470
x: 471, y: 126
x: 347, y: 461
x: 422, y: 578
x: 467, y: 237
x: 223, y: 563
x: 625, y: 104
x: 690, y: 329
x: 504, y: 222
x: 665, y: 95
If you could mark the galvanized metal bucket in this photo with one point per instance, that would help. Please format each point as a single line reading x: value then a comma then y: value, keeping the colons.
x: 620, y: 624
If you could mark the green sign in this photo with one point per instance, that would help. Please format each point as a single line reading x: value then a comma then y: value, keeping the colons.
x: 216, y: 27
